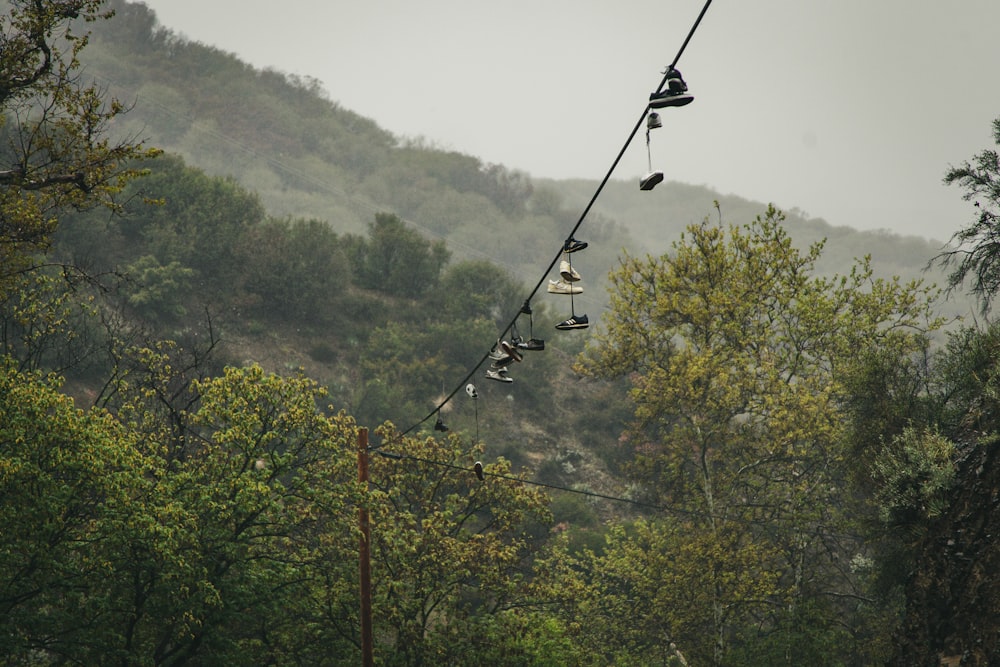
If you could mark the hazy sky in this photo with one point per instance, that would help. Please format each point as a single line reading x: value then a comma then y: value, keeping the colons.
x: 850, y: 110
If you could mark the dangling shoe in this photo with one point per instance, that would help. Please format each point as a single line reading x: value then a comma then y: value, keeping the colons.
x: 568, y: 273
x: 439, y: 425
x: 563, y: 287
x: 675, y: 95
x: 500, y: 375
x: 510, y: 350
x: 575, y: 322
x: 499, y: 357
x: 572, y: 245
x: 502, y: 363
x: 651, y: 180
x: 535, y: 344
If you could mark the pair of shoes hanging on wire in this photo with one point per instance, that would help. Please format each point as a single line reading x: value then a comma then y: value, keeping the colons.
x: 532, y: 344
x: 675, y: 95
x: 565, y: 285
x: 504, y: 353
x: 501, y: 356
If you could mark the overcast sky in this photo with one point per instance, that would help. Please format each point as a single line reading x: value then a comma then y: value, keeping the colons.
x: 850, y: 110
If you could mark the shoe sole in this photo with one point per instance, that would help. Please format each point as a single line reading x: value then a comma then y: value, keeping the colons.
x: 510, y: 350
x: 651, y: 180
x: 673, y: 101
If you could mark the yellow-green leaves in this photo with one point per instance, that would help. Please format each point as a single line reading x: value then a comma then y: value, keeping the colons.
x: 737, y: 354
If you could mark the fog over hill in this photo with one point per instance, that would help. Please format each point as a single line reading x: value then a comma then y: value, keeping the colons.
x: 308, y: 156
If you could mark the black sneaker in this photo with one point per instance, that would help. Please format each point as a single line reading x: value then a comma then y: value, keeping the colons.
x: 572, y: 245
x: 669, y: 99
x: 575, y: 322
x: 675, y: 94
x: 651, y: 180
x: 676, y: 83
x: 439, y: 425
x: 532, y: 344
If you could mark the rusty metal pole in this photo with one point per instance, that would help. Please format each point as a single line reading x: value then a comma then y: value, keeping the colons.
x: 367, y: 650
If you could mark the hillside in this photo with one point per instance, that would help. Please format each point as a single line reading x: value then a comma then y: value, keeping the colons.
x: 306, y: 156
x: 741, y: 462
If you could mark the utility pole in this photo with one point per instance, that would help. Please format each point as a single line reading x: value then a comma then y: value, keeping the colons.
x: 367, y: 651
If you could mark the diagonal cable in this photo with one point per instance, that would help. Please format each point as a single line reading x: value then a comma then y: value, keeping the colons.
x: 579, y: 222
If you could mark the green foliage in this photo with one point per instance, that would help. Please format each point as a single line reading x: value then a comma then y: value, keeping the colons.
x: 738, y: 356
x: 158, y: 291
x: 44, y: 322
x: 54, y: 145
x: 198, y: 221
x: 915, y: 473
x: 69, y: 481
x: 223, y: 528
x: 398, y: 260
x: 976, y: 251
x: 238, y: 549
x: 297, y: 269
x: 451, y: 548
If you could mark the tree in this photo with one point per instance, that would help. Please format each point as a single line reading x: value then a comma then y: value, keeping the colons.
x: 54, y: 148
x: 298, y: 269
x: 242, y: 549
x: 398, y: 260
x: 69, y: 481
x: 976, y: 252
x: 737, y: 355
x: 449, y: 550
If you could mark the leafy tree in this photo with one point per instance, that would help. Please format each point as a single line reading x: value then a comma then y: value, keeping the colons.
x: 158, y: 291
x: 68, y: 483
x: 449, y: 550
x: 238, y: 556
x: 397, y: 260
x: 200, y: 221
x: 54, y: 146
x: 915, y: 474
x: 976, y: 252
x: 737, y: 355
x: 44, y: 322
x: 298, y: 269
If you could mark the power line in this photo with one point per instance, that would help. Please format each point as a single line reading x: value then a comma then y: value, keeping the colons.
x: 583, y: 492
x: 592, y: 494
x: 579, y: 222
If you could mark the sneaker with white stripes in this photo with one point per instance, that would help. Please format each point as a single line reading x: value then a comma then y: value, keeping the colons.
x: 575, y: 322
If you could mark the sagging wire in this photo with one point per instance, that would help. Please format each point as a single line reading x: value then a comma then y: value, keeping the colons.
x: 571, y: 238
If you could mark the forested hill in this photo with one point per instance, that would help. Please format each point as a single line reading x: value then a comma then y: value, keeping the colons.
x: 284, y: 138
x: 762, y: 453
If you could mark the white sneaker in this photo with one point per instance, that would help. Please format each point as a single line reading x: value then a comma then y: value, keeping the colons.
x: 498, y: 374
x: 563, y: 287
x: 567, y: 272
